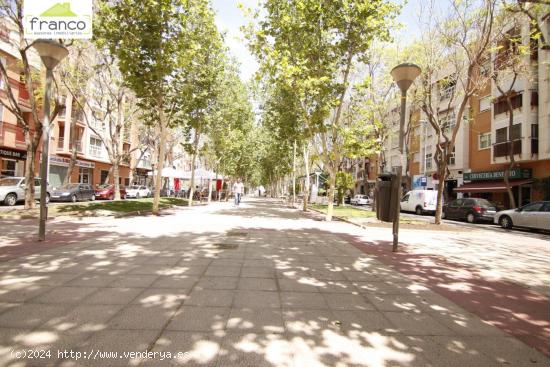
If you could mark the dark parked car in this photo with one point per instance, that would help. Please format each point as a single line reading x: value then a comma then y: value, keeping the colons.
x: 108, y: 192
x: 472, y: 210
x: 73, y: 192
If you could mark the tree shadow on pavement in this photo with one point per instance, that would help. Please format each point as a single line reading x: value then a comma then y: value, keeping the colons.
x: 293, y: 297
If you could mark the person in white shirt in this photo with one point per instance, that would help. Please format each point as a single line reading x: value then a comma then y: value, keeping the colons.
x: 238, y: 189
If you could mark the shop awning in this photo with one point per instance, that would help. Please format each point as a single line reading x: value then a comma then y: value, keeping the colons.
x: 489, y: 186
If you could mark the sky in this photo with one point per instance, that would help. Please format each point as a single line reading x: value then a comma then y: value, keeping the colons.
x: 230, y: 18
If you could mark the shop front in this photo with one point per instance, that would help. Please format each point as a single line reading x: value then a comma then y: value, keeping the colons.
x: 59, y: 166
x: 490, y: 185
x: 12, y: 162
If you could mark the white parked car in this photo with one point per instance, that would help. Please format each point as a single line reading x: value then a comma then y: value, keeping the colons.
x: 360, y: 200
x: 12, y: 190
x: 419, y: 201
x: 534, y: 215
x: 137, y: 192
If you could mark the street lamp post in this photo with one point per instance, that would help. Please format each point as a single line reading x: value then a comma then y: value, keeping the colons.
x: 403, y: 75
x: 51, y: 53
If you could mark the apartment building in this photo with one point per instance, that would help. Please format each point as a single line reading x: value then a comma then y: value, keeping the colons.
x: 490, y: 139
x: 92, y: 164
x: 481, y: 156
x: 13, y: 153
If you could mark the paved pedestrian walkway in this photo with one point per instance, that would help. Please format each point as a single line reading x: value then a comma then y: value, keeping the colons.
x: 259, y: 285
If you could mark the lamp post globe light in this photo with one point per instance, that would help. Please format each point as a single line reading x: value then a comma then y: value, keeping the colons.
x: 51, y: 53
x: 404, y: 76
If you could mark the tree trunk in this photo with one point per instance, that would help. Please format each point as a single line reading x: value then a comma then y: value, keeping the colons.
x: 221, y: 190
x: 294, y: 175
x: 161, y: 150
x: 307, y: 181
x: 116, y: 178
x: 209, y: 189
x: 442, y: 168
x: 32, y: 145
x: 194, y: 159
x: 330, y: 208
x: 74, y: 150
x: 507, y: 172
x: 109, y: 174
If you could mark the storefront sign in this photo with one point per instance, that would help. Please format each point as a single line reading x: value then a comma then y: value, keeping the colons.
x: 60, y: 161
x: 13, y: 154
x: 516, y: 173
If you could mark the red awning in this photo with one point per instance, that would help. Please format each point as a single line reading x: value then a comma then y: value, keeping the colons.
x: 489, y: 186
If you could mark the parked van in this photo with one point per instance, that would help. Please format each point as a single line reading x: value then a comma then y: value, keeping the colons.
x: 419, y: 201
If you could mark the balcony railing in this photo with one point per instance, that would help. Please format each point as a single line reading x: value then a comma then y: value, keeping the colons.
x: 60, y: 142
x: 503, y: 149
x: 78, y: 146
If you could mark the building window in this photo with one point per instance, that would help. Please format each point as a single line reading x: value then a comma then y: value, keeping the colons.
x: 484, y: 141
x: 104, y: 175
x: 85, y: 175
x: 501, y: 105
x: 428, y: 161
x: 452, y: 158
x: 447, y: 88
x: 8, y: 167
x: 95, y: 147
x: 448, y: 122
x: 485, y: 103
x: 416, y: 157
x: 485, y: 69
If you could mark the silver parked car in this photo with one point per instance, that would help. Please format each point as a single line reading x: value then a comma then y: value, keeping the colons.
x: 534, y: 215
x: 12, y: 190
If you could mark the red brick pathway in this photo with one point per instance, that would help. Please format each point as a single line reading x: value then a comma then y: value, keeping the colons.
x: 513, y: 308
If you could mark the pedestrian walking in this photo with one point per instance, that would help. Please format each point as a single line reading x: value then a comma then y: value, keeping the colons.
x: 238, y: 189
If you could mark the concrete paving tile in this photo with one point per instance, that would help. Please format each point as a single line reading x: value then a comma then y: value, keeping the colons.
x: 300, y: 285
x: 508, y: 351
x: 31, y: 315
x: 416, y: 324
x: 91, y: 280
x: 464, y: 323
x: 256, y: 299
x: 255, y: 350
x: 113, y: 296
x: 361, y: 320
x: 254, y: 320
x: 299, y: 300
x: 161, y: 297
x: 140, y: 317
x: 395, y: 302
x: 133, y: 281
x: 386, y: 287
x: 23, y: 293
x: 341, y: 301
x: 257, y: 272
x: 118, y: 341
x: 456, y: 351
x: 190, y: 349
x: 223, y: 271
x: 324, y: 274
x: 227, y: 262
x: 207, y: 319
x: 257, y: 284
x: 83, y: 318
x: 176, y: 281
x: 208, y: 297
x: 359, y: 276
x: 227, y: 283
x: 309, y: 322
x: 151, y: 269
x: 64, y: 295
x: 337, y: 286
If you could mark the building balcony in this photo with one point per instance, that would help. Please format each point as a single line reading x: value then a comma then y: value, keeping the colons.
x: 61, y: 147
x: 503, y: 149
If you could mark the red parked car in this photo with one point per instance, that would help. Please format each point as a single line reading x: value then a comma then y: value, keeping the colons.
x: 108, y: 192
